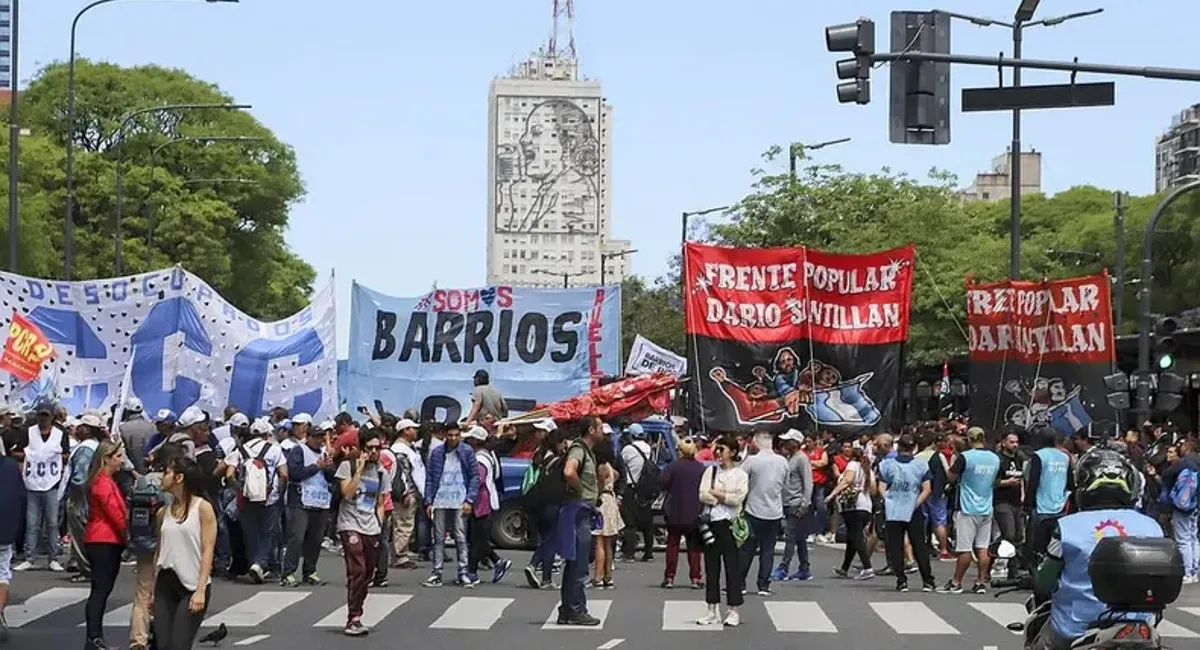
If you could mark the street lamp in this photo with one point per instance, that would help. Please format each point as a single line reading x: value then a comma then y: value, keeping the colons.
x: 1021, y: 20
x: 698, y: 213
x: 797, y: 149
x: 218, y: 181
x: 604, y: 257
x: 154, y: 167
x: 119, y: 135
x: 566, y: 276
x: 69, y: 239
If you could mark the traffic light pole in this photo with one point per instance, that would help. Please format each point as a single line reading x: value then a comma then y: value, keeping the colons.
x: 1143, y: 384
x: 1174, y: 74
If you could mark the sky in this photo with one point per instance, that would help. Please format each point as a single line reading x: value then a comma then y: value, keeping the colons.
x: 386, y: 105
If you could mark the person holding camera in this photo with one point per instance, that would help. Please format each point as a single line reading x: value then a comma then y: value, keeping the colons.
x: 723, y: 491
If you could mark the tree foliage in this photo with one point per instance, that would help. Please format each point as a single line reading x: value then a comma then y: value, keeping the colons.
x: 219, y: 209
x: 1069, y: 234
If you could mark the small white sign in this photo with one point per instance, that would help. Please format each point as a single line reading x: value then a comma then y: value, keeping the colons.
x: 647, y: 358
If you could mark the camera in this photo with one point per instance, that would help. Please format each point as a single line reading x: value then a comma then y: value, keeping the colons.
x: 705, y: 533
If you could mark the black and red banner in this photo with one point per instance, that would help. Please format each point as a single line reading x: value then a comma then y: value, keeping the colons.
x: 795, y: 336
x: 1039, y: 352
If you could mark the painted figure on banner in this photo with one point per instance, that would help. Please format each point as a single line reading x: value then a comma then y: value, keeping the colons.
x: 1046, y: 401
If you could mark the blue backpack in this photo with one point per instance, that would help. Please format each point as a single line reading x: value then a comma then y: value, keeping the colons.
x: 1183, y: 493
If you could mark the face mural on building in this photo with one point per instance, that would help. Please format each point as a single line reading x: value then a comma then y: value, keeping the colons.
x: 548, y: 180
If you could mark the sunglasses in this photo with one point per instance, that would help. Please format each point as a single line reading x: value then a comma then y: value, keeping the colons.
x: 372, y: 447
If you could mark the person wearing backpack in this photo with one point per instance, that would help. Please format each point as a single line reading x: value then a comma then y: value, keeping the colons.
x: 641, y: 486
x: 1179, y: 492
x: 407, y: 483
x: 255, y: 469
x: 144, y: 501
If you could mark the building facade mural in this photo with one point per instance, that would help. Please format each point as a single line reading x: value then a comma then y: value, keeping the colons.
x: 548, y: 166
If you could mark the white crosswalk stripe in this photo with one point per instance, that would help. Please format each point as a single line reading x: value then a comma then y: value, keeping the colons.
x: 904, y: 617
x: 472, y: 613
x: 256, y: 609
x: 375, y: 609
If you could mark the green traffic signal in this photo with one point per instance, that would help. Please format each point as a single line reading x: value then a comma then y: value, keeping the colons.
x: 1166, y: 361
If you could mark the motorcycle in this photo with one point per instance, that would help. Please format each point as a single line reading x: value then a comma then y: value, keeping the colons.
x: 1131, y: 576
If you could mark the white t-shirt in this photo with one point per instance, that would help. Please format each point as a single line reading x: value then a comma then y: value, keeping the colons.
x: 863, y: 503
x: 634, y: 461
x: 273, y: 459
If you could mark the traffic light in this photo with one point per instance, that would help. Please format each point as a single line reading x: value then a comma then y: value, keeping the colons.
x: 1164, y: 342
x: 920, y: 91
x: 1118, y: 390
x: 1170, y: 392
x: 857, y: 38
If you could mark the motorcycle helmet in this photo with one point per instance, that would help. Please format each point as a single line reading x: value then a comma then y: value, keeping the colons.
x: 1104, y: 479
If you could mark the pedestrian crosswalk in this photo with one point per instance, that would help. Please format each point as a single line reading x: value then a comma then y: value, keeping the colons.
x: 283, y: 610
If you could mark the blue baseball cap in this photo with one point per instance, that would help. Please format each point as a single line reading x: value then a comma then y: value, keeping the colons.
x: 165, y: 416
x: 635, y: 430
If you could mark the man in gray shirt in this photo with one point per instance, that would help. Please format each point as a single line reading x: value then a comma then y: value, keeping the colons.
x: 767, y: 471
x: 486, y: 400
x: 136, y: 431
x: 797, y: 504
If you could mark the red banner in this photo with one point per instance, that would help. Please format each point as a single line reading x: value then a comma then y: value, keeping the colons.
x: 777, y: 295
x: 26, y: 349
x: 1041, y: 322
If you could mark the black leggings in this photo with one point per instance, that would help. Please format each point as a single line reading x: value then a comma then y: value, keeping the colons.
x: 175, y: 627
x: 105, y: 561
x: 480, y: 531
x: 723, y: 551
x: 856, y: 538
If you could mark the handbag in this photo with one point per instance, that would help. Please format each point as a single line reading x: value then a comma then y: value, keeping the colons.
x: 740, y: 529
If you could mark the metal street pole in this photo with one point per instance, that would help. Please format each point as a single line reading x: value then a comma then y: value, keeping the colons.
x: 604, y: 257
x: 119, y: 135
x: 14, y: 138
x: 1119, y: 199
x: 152, y: 206
x: 796, y: 149
x: 1143, y: 384
x: 69, y: 235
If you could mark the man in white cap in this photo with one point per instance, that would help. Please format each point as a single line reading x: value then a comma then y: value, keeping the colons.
x: 245, y: 468
x: 406, y: 505
x: 797, y: 504
x: 136, y: 431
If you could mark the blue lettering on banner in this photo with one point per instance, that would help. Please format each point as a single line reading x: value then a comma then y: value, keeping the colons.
x: 538, y: 345
x: 174, y: 334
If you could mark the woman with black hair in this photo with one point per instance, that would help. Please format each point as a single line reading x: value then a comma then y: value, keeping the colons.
x: 547, y: 459
x: 187, y: 540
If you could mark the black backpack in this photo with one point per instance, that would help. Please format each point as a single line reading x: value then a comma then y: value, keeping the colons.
x: 646, y: 488
x: 144, y: 501
x: 550, y: 488
x: 401, y: 477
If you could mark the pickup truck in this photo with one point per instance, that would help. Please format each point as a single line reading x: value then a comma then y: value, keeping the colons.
x: 511, y: 528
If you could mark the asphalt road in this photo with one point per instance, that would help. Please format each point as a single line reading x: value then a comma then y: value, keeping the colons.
x: 46, y: 613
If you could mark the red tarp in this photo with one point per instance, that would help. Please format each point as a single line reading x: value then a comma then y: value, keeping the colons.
x: 635, y: 397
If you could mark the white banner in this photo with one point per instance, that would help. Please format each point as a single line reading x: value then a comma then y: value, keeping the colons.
x: 168, y: 339
x: 646, y: 358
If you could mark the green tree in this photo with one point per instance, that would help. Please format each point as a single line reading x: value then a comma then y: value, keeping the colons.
x: 230, y: 234
x: 652, y: 310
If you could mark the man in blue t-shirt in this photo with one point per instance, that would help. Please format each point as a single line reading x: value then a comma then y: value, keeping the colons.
x: 904, y: 485
x: 975, y: 470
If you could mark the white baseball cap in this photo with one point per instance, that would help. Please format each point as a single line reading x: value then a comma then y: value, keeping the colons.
x: 191, y: 415
x: 91, y: 420
x: 547, y: 425
x: 261, y: 427
x: 476, y: 432
x: 606, y: 428
x: 793, y: 435
x: 302, y: 418
x: 238, y: 420
x: 134, y: 405
x: 406, y: 424
x: 327, y: 425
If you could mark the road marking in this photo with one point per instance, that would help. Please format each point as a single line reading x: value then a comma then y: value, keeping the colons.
x: 990, y: 647
x: 799, y: 616
x: 912, y: 618
x: 472, y: 613
x: 119, y: 617
x: 375, y: 609
x: 681, y: 615
x: 1173, y: 631
x: 251, y: 640
x: 1194, y: 611
x: 609, y: 645
x: 597, y: 608
x: 1003, y: 613
x: 44, y: 604
x: 252, y: 611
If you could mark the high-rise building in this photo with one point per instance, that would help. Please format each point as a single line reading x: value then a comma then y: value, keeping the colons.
x: 1176, y: 151
x: 996, y: 183
x: 550, y: 173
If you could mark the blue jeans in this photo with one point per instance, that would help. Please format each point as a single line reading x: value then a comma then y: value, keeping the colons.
x: 256, y: 520
x: 1184, y: 525
x: 795, y: 530
x: 760, y: 543
x: 575, y: 572
x: 546, y: 520
x: 820, y: 509
x: 41, y: 517
x: 449, y: 518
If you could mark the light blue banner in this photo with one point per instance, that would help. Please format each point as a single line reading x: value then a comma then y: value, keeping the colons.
x: 185, y: 343
x: 537, y: 345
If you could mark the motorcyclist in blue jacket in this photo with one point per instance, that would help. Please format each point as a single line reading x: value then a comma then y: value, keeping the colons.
x: 1105, y: 491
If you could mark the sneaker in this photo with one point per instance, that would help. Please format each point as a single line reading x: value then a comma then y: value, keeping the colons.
x: 886, y: 571
x: 256, y: 574
x: 97, y: 644
x: 928, y: 587
x: 801, y: 576
x: 670, y: 584
x: 580, y: 620
x: 550, y: 586
x: 946, y: 556
x: 979, y: 588
x: 950, y: 588
x: 288, y: 581
x: 377, y: 583
x: 314, y: 580
x: 500, y: 570
x: 733, y: 619
x: 711, y: 618
x: 532, y: 577
x: 1190, y: 580
x: 407, y: 565
x: 468, y: 580
x: 355, y: 628
x: 434, y: 580
x: 910, y: 568
x: 697, y: 584
x: 779, y: 574
x: 840, y: 572
x: 765, y: 593
x: 24, y: 566
x: 646, y: 557
x: 902, y: 587
x: 58, y: 568
x: 608, y: 584
x: 865, y: 574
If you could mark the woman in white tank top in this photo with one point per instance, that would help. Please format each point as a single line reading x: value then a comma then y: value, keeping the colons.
x: 186, y: 540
